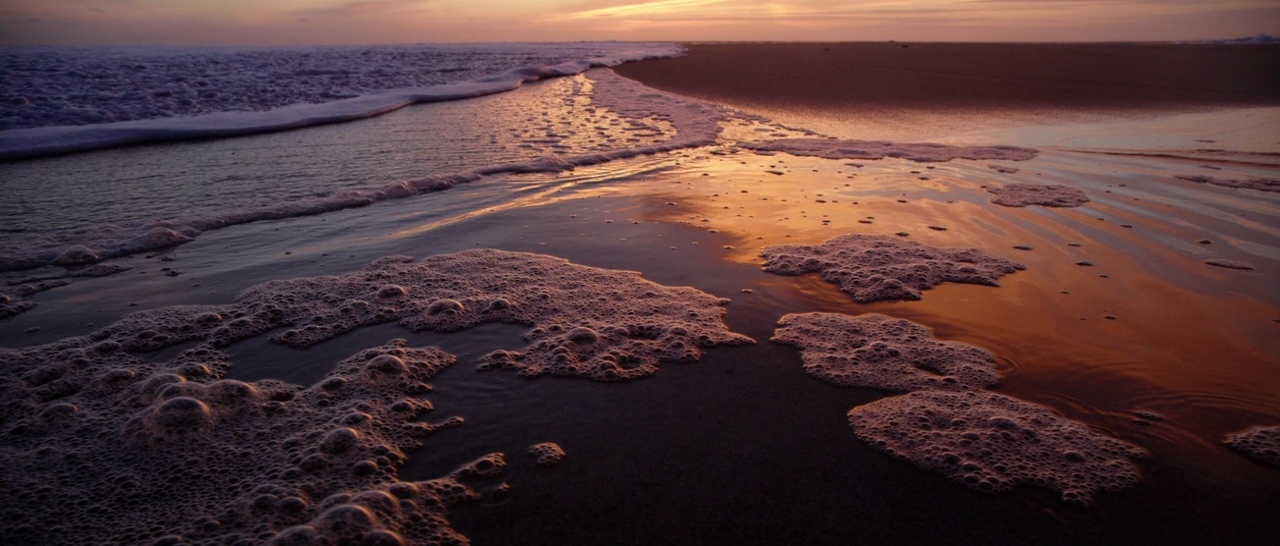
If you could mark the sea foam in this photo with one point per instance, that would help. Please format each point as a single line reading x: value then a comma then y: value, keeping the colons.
x: 103, y: 443
x: 79, y: 128
x: 693, y: 123
x: 874, y: 268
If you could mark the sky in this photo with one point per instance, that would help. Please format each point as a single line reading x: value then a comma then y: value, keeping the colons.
x: 298, y: 22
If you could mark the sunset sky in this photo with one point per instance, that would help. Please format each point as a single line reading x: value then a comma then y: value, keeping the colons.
x: 272, y: 22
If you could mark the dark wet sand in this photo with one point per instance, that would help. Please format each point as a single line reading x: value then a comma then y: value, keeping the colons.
x: 937, y: 76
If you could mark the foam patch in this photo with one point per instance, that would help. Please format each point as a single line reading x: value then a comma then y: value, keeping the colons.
x: 880, y: 352
x: 13, y: 303
x: 873, y: 268
x: 1052, y: 195
x: 1258, y: 443
x: 601, y: 324
x: 11, y: 307
x: 828, y: 148
x: 991, y: 442
x: 547, y: 454
x: 100, y: 446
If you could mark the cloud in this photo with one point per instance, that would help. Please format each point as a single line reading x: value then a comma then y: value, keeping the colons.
x: 633, y: 9
x: 361, y: 9
x: 254, y: 22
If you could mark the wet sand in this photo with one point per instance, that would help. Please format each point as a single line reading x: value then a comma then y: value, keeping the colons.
x: 939, y: 76
x: 939, y: 88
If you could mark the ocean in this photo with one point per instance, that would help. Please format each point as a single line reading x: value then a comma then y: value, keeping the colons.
x: 224, y: 270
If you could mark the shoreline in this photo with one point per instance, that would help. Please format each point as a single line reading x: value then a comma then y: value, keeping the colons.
x: 1153, y: 76
x: 57, y: 139
x: 901, y: 90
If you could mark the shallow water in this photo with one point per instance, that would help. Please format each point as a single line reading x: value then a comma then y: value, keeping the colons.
x: 743, y: 447
x: 177, y: 181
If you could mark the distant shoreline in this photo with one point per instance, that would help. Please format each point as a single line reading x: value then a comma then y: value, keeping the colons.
x: 919, y: 76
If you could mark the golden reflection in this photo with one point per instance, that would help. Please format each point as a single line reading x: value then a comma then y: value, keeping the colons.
x: 1146, y: 310
x: 1147, y: 326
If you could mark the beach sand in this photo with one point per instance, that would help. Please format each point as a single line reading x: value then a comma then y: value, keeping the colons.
x: 1147, y: 343
x: 905, y: 90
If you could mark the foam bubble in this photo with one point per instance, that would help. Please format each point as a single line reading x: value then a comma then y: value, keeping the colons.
x: 547, y: 454
x: 161, y: 237
x: 76, y: 255
x: 1258, y: 443
x: 991, y: 442
x: 880, y: 352
x: 873, y: 268
x: 1046, y: 195
x: 830, y: 148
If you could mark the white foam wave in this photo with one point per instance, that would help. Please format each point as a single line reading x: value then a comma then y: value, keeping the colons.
x: 43, y: 141
x: 696, y: 124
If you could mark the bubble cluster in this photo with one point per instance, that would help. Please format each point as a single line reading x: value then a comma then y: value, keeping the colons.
x: 76, y: 255
x: 161, y: 237
x: 991, y: 442
x: 946, y: 423
x: 11, y: 307
x: 1258, y: 443
x: 585, y: 322
x: 829, y: 148
x: 547, y: 454
x: 880, y: 352
x: 1045, y: 195
x: 873, y: 268
x: 697, y: 123
x: 101, y: 446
